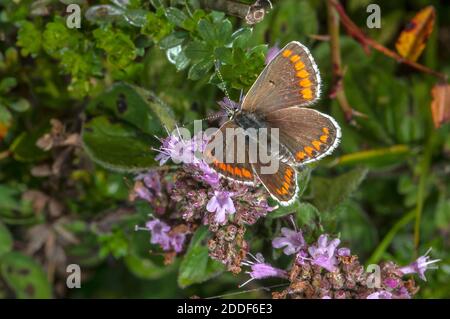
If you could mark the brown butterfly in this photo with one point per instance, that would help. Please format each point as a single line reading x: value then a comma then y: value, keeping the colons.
x: 277, y: 100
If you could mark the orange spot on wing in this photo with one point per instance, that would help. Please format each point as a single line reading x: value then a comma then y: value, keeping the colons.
x: 246, y: 173
x: 299, y: 65
x: 237, y: 171
x: 325, y: 130
x: 306, y: 83
x: 307, y: 94
x: 286, y: 185
x: 287, y: 53
x: 230, y: 169
x: 302, y: 74
x: 309, y: 150
x: 289, y: 172
x: 324, y: 138
x: 316, y: 145
x: 300, y: 155
x: 295, y: 58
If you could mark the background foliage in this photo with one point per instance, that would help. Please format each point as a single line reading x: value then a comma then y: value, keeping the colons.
x: 75, y: 103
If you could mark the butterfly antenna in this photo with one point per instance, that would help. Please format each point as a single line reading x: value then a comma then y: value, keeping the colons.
x: 219, y: 74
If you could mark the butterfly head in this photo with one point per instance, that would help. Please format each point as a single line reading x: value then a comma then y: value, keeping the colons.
x: 230, y: 107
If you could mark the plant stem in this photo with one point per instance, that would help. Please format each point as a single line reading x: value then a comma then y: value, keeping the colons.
x: 424, y: 171
x: 338, y: 91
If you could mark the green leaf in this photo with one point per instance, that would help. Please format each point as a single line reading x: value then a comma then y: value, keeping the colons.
x: 5, y: 115
x: 294, y: 19
x: 200, y: 69
x: 196, y: 266
x: 241, y: 37
x: 29, y: 38
x: 175, y: 16
x: 24, y: 147
x: 21, y: 105
x: 206, y: 31
x: 118, y: 146
x: 172, y: 40
x: 13, y: 210
x: 25, y: 276
x: 157, y: 26
x: 6, y: 241
x: 223, y: 31
x: 7, y: 84
x: 136, y: 106
x: 58, y: 38
x: 197, y: 51
x: 145, y: 268
x: 177, y: 56
x: 355, y: 227
x: 329, y: 192
x: 119, y: 47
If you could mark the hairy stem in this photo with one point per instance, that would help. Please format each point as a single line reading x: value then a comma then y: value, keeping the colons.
x: 338, y: 91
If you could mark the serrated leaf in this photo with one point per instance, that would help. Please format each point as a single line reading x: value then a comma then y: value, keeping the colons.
x: 197, y: 266
x: 24, y: 276
x: 206, y: 31
x: 175, y: 16
x: 197, y: 50
x: 329, y: 192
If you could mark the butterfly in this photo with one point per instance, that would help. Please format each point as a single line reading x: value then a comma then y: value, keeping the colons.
x: 278, y: 99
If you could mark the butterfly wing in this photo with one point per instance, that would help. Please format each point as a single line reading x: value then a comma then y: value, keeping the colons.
x: 228, y: 155
x: 290, y: 79
x: 282, y: 184
x: 308, y: 134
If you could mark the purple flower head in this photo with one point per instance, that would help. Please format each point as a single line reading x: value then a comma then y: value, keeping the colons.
x: 392, y: 283
x: 291, y: 240
x: 382, y: 294
x: 271, y: 53
x: 344, y: 252
x: 261, y: 270
x: 176, y: 148
x: 142, y: 192
x: 222, y: 205
x: 324, y: 253
x: 151, y: 180
x: 177, y: 242
x: 420, y: 266
x: 159, y: 232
